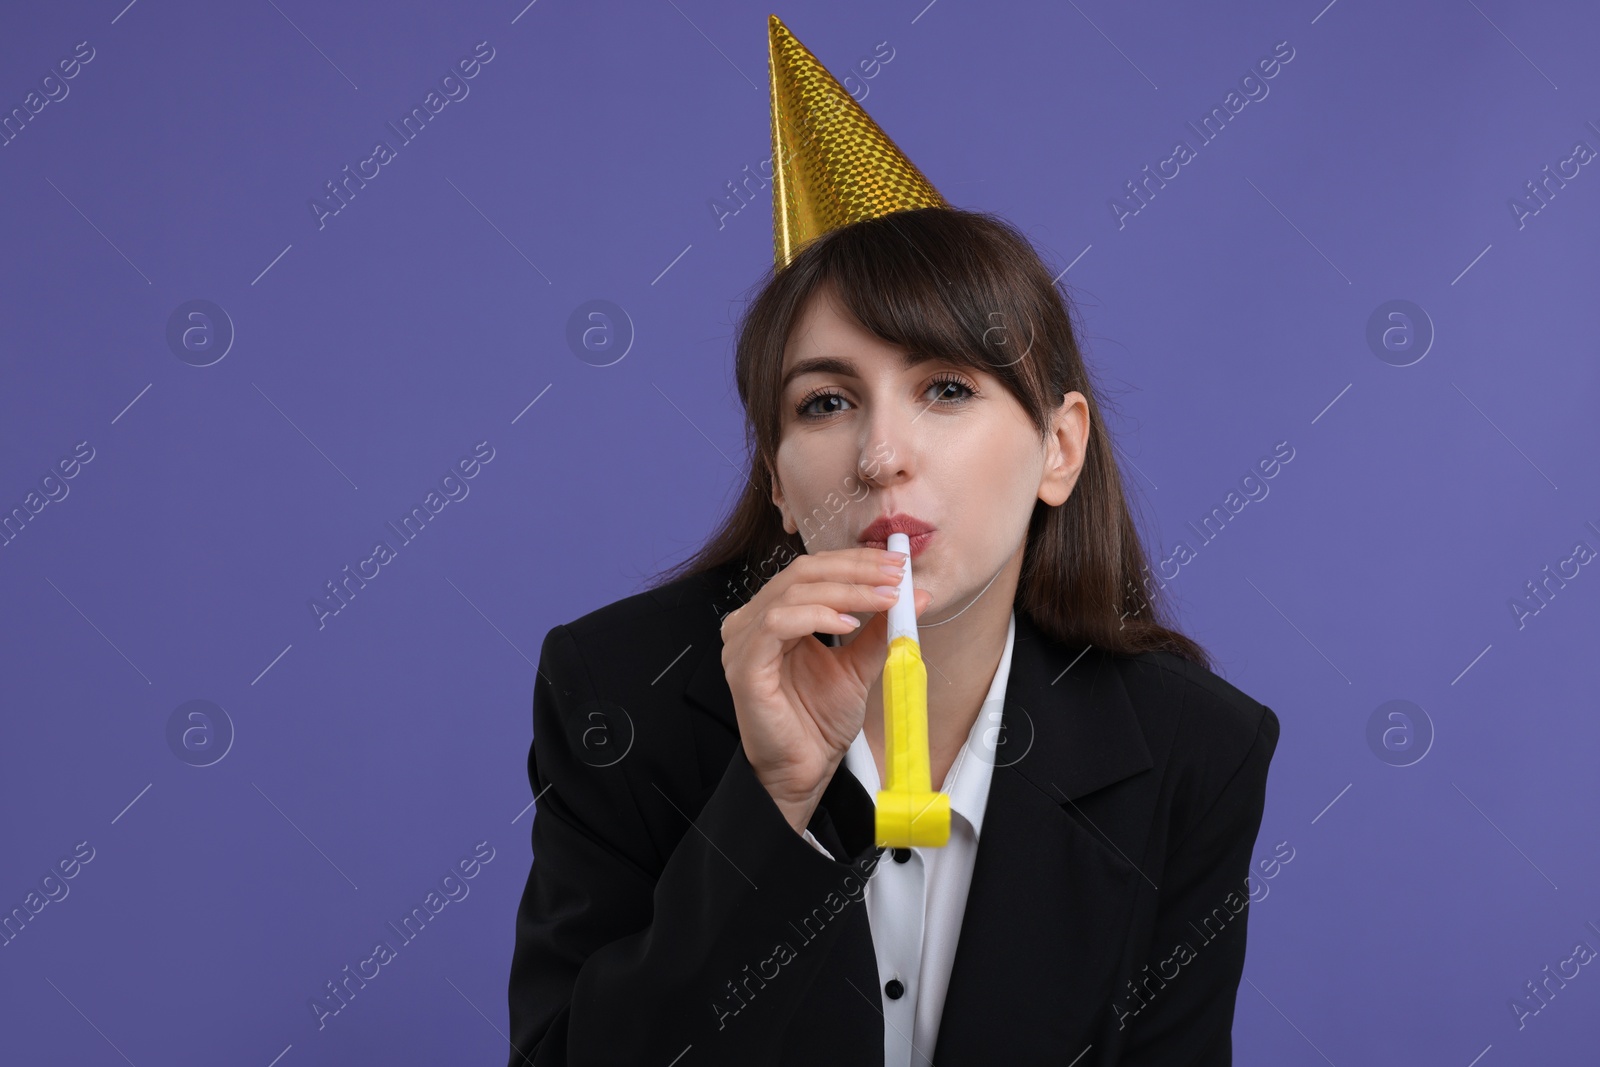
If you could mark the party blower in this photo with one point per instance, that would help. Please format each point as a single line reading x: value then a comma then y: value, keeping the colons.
x: 910, y: 813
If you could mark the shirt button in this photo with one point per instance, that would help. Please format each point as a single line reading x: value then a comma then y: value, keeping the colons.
x: 895, y: 988
x: 901, y: 855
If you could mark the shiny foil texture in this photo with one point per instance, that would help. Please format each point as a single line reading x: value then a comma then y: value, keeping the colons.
x: 831, y: 164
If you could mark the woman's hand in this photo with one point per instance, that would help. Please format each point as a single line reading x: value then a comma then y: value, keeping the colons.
x: 799, y: 702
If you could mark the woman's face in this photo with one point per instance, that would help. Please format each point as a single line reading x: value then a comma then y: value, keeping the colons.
x: 935, y: 441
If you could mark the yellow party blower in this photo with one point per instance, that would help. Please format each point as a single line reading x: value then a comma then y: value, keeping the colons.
x: 910, y: 813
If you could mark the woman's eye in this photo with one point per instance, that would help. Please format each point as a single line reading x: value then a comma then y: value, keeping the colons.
x: 943, y: 384
x: 804, y: 408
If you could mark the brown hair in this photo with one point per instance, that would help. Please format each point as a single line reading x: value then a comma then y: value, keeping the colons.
x: 967, y: 287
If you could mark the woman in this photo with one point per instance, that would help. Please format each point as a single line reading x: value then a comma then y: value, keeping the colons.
x: 706, y: 888
x: 684, y: 744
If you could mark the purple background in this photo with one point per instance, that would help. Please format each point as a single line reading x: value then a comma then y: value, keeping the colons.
x: 373, y: 352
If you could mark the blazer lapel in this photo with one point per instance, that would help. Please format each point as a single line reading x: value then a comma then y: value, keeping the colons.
x: 1050, y: 902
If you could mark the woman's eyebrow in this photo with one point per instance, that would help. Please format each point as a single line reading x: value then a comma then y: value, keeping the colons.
x: 846, y: 367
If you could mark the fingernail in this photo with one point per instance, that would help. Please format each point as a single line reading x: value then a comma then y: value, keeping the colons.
x: 898, y: 557
x: 849, y: 620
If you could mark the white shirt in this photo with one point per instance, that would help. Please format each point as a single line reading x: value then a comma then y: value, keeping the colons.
x: 915, y: 908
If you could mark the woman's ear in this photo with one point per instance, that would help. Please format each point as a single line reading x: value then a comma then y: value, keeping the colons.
x: 1065, y: 447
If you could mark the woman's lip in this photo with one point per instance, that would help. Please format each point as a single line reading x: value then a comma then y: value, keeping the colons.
x: 918, y: 542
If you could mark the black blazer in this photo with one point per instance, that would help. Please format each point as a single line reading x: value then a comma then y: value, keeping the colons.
x: 673, y: 917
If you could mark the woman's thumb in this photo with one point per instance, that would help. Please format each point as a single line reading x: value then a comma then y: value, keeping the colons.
x: 871, y: 646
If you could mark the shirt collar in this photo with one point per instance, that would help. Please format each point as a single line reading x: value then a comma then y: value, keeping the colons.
x: 968, y: 780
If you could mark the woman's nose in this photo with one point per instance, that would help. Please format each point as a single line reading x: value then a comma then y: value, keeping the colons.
x: 886, y: 454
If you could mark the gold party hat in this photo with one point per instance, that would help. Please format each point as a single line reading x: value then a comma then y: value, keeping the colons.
x: 831, y: 164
